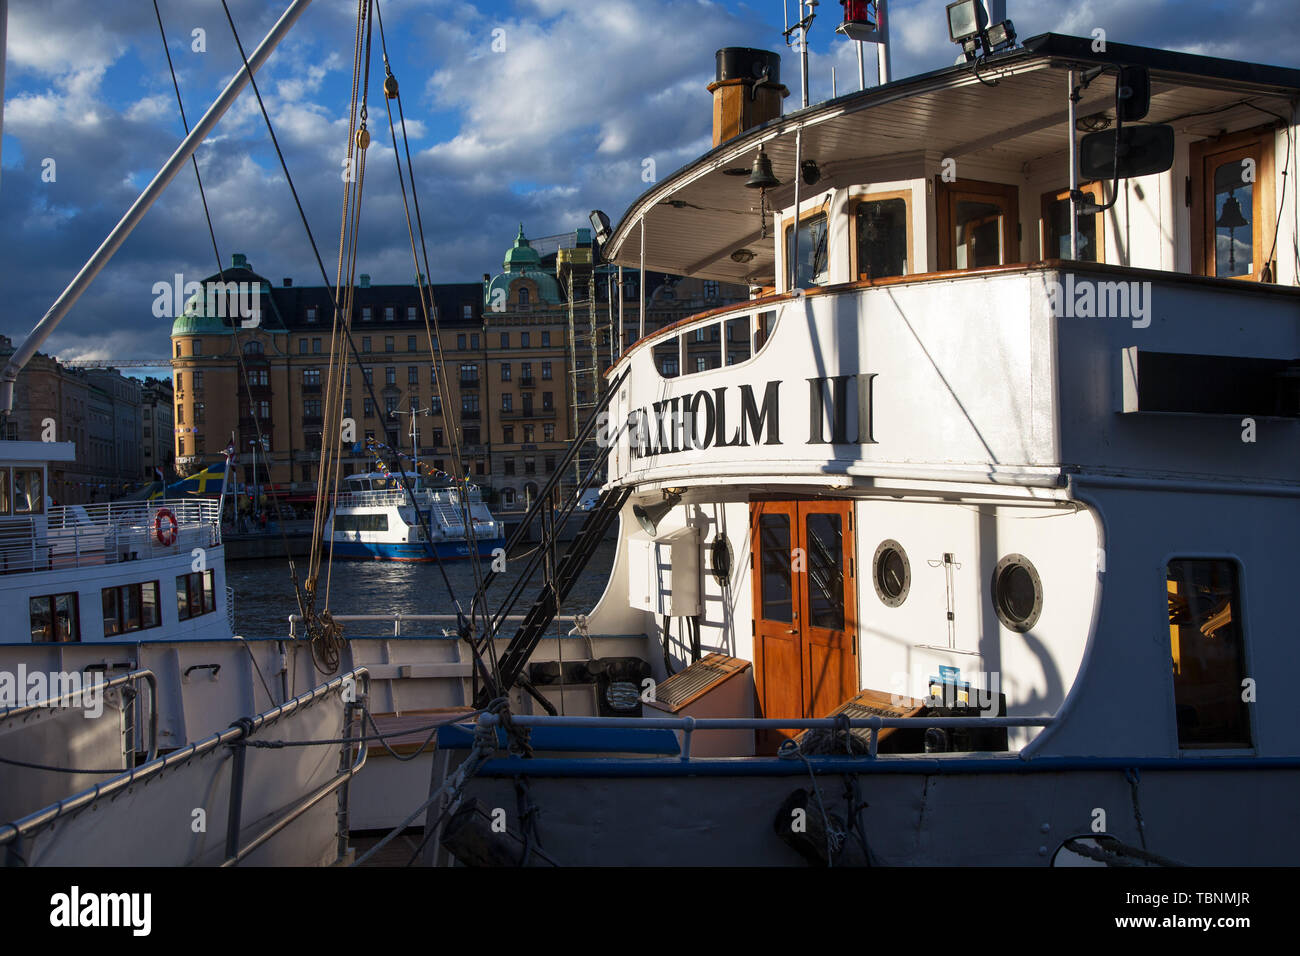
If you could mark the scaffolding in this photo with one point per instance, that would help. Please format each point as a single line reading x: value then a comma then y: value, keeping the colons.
x: 590, y: 348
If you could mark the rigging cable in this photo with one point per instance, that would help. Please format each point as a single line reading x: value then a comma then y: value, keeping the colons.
x: 234, y: 326
x: 322, y: 630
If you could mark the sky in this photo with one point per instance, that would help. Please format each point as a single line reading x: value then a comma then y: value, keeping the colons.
x: 517, y: 110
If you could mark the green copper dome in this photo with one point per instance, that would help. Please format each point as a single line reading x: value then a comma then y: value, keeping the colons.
x: 193, y: 321
x: 521, y: 256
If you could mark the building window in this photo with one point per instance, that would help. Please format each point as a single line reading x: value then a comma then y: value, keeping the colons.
x: 311, y: 408
x: 469, y: 373
x: 546, y: 340
x: 347, y: 408
x: 460, y: 341
x: 506, y: 400
x: 410, y: 343
x: 524, y: 340
x: 473, y: 340
x: 525, y: 301
x: 365, y: 313
x: 508, y: 466
x: 347, y: 377
x: 199, y: 409
x: 54, y: 619
x: 368, y: 374
x: 471, y: 436
x: 389, y: 313
x: 388, y: 343
x: 508, y: 434
x: 178, y: 350
x: 530, y: 465
x: 311, y: 313
x: 180, y: 446
x: 467, y: 312
x: 546, y: 371
x: 315, y: 346
x: 180, y: 414
x: 508, y: 494
x: 130, y: 607
x: 548, y: 433
x: 549, y: 461
x: 390, y: 404
x: 1207, y: 641
x: 390, y: 375
x: 469, y: 402
x: 198, y: 381
x: 435, y: 404
x: 505, y: 371
x: 365, y: 343
x: 505, y: 340
x: 528, y: 434
x: 410, y: 313
x: 710, y: 290
x: 311, y: 378
x: 198, y: 347
x: 303, y: 345
x: 368, y: 407
x: 195, y: 594
x: 264, y: 409
x: 412, y: 375
x: 437, y: 436
x: 548, y: 401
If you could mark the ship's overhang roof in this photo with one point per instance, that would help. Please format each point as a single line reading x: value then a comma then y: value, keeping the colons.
x: 697, y: 217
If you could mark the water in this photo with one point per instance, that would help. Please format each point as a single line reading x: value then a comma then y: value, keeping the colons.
x: 264, y: 594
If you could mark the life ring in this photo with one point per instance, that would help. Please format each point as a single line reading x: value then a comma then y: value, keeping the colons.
x: 165, y: 527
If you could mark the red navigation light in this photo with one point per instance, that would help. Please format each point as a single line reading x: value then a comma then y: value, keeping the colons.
x: 859, y: 19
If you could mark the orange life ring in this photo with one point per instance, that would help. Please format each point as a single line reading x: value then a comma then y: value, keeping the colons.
x: 166, y: 533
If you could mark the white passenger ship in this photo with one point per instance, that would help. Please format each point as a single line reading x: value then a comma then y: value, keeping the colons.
x: 375, y: 518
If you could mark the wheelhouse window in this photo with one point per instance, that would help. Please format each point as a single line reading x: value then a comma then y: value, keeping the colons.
x: 704, y: 348
x: 28, y: 491
x: 813, y: 258
x: 54, y: 619
x: 667, y: 356
x: 881, y: 237
x: 1233, y: 205
x: 195, y: 594
x: 737, y: 341
x: 130, y: 607
x: 978, y: 224
x: 1207, y: 644
x: 1055, y: 225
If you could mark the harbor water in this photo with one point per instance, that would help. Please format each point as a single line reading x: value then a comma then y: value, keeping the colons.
x: 264, y: 594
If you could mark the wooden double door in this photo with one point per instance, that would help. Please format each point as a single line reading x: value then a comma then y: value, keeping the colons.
x: 805, y: 626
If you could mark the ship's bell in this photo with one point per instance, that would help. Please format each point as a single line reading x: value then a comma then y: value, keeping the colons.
x: 762, y: 177
x: 1230, y: 217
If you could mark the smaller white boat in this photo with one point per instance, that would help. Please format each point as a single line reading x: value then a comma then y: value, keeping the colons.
x: 375, y: 518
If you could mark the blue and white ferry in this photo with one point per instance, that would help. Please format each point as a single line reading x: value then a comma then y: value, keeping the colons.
x: 374, y: 518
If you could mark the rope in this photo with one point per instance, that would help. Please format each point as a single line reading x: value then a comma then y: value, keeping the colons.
x: 1116, y: 853
x: 1131, y: 775
x: 789, y: 750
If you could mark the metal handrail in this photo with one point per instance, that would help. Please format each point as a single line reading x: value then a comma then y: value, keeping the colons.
x: 396, y: 618
x: 37, y: 821
x: 103, y: 686
x: 688, y: 725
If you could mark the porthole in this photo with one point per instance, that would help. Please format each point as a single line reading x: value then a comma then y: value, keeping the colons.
x: 1017, y: 592
x: 720, y: 560
x: 891, y: 573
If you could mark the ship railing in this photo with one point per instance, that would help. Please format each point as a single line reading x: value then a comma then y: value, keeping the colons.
x: 75, y: 536
x: 353, y: 687
x: 396, y: 621
x: 689, y: 725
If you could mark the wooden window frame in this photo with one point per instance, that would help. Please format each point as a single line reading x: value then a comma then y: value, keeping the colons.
x: 1258, y: 141
x: 947, y: 195
x: 858, y: 200
x: 1052, y: 196
x: 823, y: 210
x: 117, y: 600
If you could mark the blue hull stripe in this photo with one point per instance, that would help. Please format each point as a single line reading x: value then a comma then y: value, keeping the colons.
x: 380, y: 551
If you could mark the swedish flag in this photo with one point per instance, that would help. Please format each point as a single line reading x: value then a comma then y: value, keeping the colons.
x: 209, y: 481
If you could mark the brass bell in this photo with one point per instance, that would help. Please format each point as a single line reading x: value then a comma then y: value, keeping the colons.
x: 761, y: 176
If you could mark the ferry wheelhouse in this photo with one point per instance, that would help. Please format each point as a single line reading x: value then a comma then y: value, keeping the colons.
x: 375, y: 518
